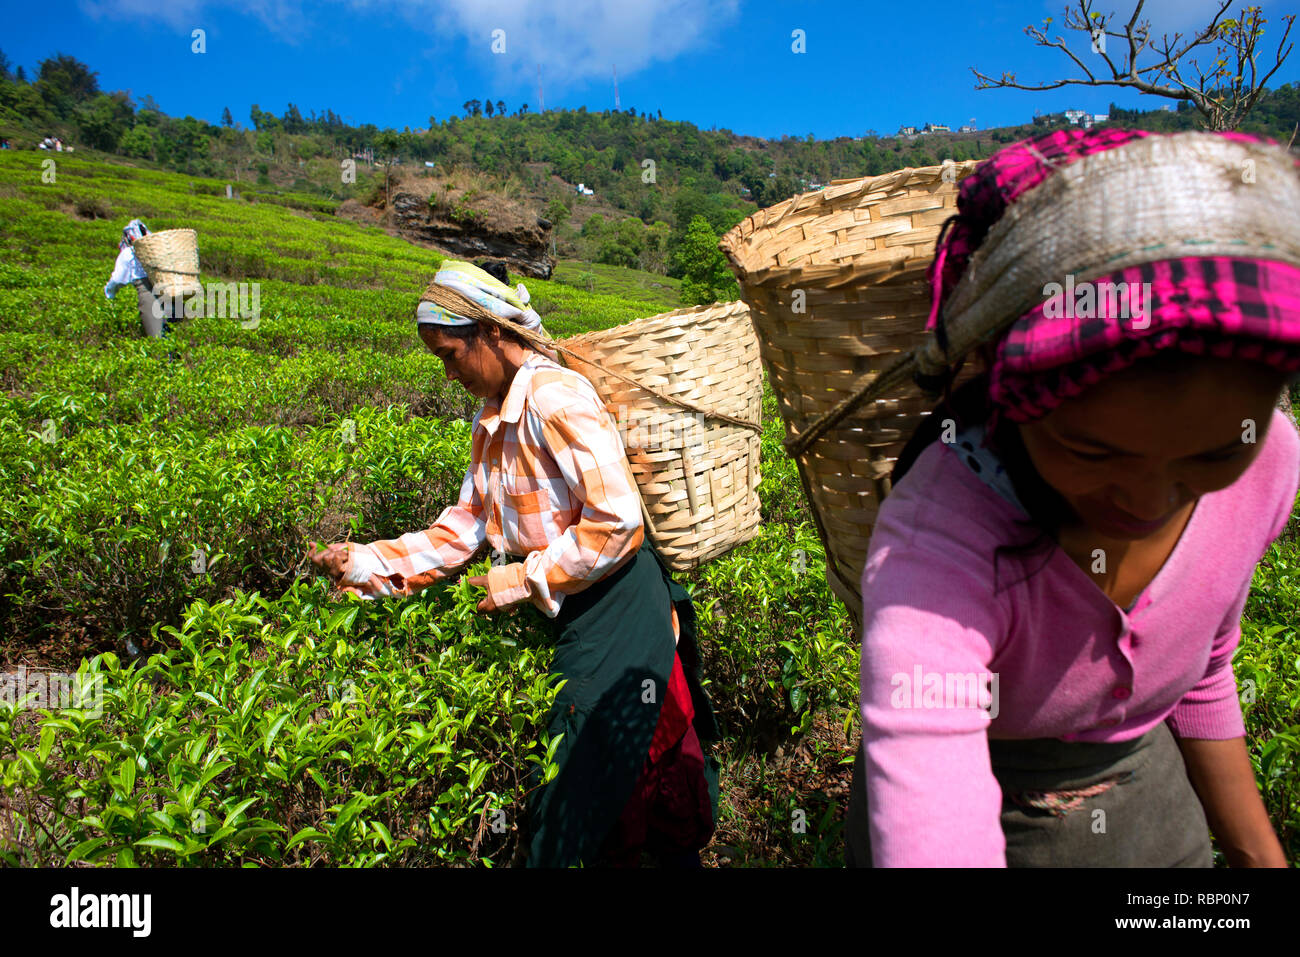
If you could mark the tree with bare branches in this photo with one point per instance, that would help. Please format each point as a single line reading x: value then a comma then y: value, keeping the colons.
x: 1223, y: 92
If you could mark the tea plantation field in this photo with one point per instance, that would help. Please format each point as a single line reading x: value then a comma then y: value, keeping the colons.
x: 157, y: 499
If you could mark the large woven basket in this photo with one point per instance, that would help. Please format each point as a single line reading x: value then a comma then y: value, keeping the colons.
x: 171, y: 258
x: 698, y: 475
x: 835, y: 282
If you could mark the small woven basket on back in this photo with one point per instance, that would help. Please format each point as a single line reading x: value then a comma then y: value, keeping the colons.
x: 836, y: 286
x: 171, y: 258
x: 698, y: 474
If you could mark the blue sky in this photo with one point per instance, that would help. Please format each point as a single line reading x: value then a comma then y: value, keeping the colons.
x: 726, y: 64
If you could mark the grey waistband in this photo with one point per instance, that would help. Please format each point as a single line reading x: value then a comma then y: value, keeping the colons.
x: 1067, y: 763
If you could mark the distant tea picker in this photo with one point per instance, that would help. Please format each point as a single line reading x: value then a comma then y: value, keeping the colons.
x: 154, y: 312
x: 549, y: 487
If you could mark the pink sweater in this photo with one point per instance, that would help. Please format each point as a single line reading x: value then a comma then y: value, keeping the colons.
x: 1068, y: 662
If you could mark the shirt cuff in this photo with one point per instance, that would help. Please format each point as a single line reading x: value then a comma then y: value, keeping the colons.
x: 506, y: 584
x: 363, y: 566
x: 1212, y: 720
x: 539, y: 588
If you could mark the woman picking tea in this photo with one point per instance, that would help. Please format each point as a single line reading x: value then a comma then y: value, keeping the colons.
x: 1079, y: 542
x: 549, y: 488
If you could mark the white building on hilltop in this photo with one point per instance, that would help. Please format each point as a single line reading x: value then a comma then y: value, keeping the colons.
x: 1085, y: 119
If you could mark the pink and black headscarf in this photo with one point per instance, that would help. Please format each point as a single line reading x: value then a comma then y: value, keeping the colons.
x: 1211, y: 221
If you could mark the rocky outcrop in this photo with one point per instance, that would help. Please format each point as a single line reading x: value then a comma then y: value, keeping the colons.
x: 470, y: 225
x: 522, y: 245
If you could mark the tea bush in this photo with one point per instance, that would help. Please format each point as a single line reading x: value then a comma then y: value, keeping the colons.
x: 1267, y: 665
x: 290, y: 732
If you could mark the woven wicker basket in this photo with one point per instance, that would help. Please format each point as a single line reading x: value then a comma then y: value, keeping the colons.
x: 698, y: 475
x: 171, y: 258
x: 835, y: 282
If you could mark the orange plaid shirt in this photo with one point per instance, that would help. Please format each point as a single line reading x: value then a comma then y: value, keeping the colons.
x: 547, y: 480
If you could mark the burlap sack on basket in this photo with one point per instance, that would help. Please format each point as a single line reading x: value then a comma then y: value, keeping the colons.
x: 835, y: 281
x: 171, y: 258
x: 685, y: 389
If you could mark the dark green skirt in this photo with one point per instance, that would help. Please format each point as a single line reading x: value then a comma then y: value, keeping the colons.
x: 1144, y: 812
x: 614, y: 647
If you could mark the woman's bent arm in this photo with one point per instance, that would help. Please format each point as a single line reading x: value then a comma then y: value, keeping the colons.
x: 1221, y: 773
x: 403, y: 566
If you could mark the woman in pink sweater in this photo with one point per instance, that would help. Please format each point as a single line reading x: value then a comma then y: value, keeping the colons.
x: 1054, y: 587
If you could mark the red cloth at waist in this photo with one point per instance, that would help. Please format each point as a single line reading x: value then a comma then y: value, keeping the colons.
x: 675, y: 716
x: 669, y: 811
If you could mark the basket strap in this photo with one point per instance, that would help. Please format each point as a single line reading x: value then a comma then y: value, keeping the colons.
x: 929, y: 359
x: 743, y: 423
x: 640, y: 497
x: 544, y: 342
x: 897, y: 372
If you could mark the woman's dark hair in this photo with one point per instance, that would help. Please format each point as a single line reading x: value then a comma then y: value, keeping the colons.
x: 1047, y: 510
x: 494, y: 268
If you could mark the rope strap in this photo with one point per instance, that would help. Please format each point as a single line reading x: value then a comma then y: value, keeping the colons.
x: 543, y: 342
x: 896, y: 373
x: 743, y: 423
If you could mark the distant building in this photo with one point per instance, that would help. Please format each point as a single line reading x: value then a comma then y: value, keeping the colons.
x: 907, y: 130
x: 967, y: 129
x: 1084, y: 119
x: 936, y: 128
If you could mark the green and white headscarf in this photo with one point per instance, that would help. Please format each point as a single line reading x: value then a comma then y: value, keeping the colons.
x: 486, y: 290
